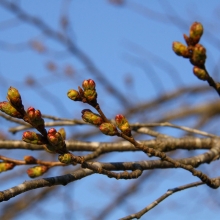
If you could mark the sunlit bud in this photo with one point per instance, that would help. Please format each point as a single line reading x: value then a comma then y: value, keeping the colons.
x: 123, y: 124
x: 4, y: 166
x: 65, y: 158
x: 35, y: 117
x: 33, y: 138
x: 8, y: 109
x: 181, y: 49
x: 14, y: 97
x: 55, y: 139
x: 108, y: 129
x: 88, y: 84
x: 90, y: 117
x: 90, y: 95
x: 195, y: 32
x: 198, y: 55
x: 200, y: 73
x: 37, y: 171
x: 74, y: 95
x: 63, y: 133
x: 30, y: 159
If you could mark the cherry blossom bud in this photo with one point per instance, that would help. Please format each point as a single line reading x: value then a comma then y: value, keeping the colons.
x: 88, y: 84
x: 33, y: 138
x: 30, y: 159
x: 4, y: 166
x: 108, y: 129
x: 195, y: 32
x: 55, y: 139
x: 90, y: 95
x: 198, y: 56
x: 200, y: 73
x: 63, y: 133
x: 35, y: 117
x: 92, y: 118
x: 123, y: 125
x: 14, y: 97
x: 65, y: 158
x: 74, y: 95
x: 8, y: 109
x: 37, y: 171
x: 181, y: 49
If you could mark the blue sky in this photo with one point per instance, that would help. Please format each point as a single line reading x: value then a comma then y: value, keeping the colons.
x: 129, y: 43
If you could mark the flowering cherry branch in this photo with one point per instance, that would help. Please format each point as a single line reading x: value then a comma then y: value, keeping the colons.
x: 196, y: 53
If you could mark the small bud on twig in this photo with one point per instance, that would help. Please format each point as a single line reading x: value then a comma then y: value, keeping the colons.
x: 74, y: 95
x: 33, y: 138
x: 90, y: 117
x: 198, y: 56
x: 30, y: 159
x: 88, y: 84
x: 108, y: 129
x: 37, y: 171
x: 123, y: 125
x: 14, y: 98
x: 4, y: 166
x: 65, y: 158
x: 195, y: 32
x: 8, y: 109
x: 180, y: 49
x: 89, y: 90
x: 200, y: 73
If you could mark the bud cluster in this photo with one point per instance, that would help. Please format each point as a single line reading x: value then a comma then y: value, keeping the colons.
x: 34, y: 117
x: 194, y: 51
x: 87, y: 94
x: 14, y: 106
x: 57, y: 143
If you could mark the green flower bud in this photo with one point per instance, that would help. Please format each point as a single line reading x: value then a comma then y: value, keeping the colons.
x: 74, y: 95
x: 36, y: 171
x: 88, y: 84
x: 90, y: 95
x: 123, y: 125
x: 8, y: 109
x: 200, y: 73
x: 30, y: 159
x: 180, y: 49
x: 108, y: 129
x: 195, y: 32
x: 65, y: 158
x: 14, y: 97
x: 33, y: 138
x: 92, y: 118
x: 4, y: 166
x: 63, y: 133
x: 198, y: 56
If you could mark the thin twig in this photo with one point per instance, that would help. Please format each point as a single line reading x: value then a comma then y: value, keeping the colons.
x: 168, y: 124
x: 164, y: 196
